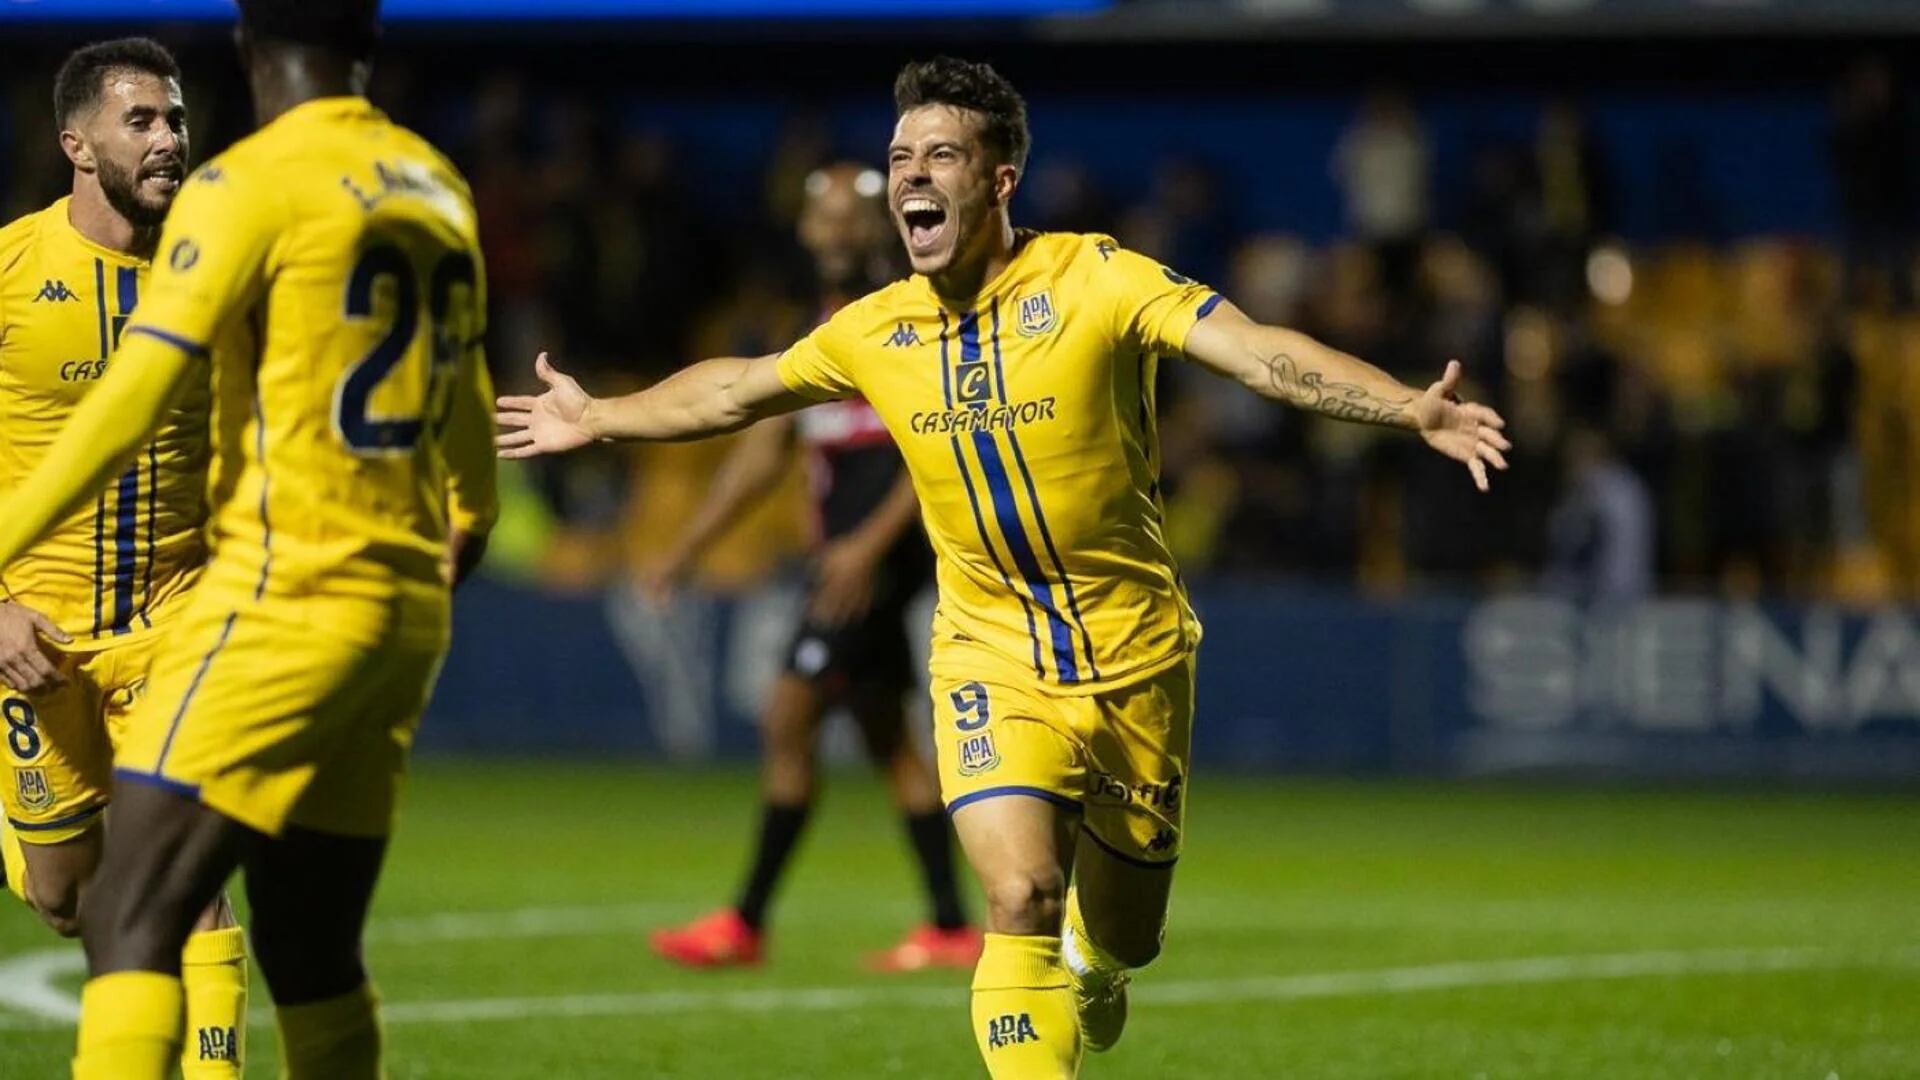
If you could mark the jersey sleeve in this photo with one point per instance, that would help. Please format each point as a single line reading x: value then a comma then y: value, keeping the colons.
x: 213, y: 256
x: 1153, y: 307
x: 817, y: 365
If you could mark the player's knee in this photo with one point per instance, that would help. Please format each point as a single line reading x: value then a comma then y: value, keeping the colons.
x: 1027, y: 902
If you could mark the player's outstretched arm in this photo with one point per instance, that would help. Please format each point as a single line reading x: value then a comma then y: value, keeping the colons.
x: 100, y: 438
x: 711, y: 397
x: 1289, y: 366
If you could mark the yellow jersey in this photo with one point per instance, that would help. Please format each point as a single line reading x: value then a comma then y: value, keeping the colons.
x: 120, y: 565
x: 1026, y: 417
x: 329, y: 264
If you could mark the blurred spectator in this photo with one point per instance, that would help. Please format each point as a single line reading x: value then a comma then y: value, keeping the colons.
x: 1573, y: 192
x: 1185, y: 221
x: 1384, y: 169
x: 1601, y: 531
x: 1063, y: 196
x: 1872, y: 145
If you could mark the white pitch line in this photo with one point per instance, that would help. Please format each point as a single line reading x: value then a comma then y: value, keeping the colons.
x: 1403, y: 980
x: 28, y: 981
x: 27, y: 986
x: 31, y: 997
x: 522, y: 923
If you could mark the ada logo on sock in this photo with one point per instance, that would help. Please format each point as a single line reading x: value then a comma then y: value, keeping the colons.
x: 35, y: 792
x: 219, y: 1044
x: 1011, y: 1029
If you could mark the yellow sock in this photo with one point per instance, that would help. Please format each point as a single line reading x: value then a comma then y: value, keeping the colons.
x: 1083, y: 955
x: 213, y: 969
x: 1023, y: 1014
x: 336, y: 1039
x: 13, y: 860
x: 129, y: 1027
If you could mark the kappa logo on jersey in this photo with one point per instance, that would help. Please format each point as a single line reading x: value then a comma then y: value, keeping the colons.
x: 903, y: 335
x: 1106, y: 248
x: 56, y: 292
x: 1037, y: 315
x: 1011, y: 1030
x: 35, y: 792
x: 1162, y: 841
x: 978, y: 754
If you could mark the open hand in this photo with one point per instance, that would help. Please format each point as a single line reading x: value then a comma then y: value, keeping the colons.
x: 24, y: 665
x: 553, y: 423
x: 1465, y: 432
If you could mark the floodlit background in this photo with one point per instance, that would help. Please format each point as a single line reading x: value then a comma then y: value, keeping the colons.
x: 1610, y: 772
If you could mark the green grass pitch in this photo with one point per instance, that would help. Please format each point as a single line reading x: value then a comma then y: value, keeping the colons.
x: 1320, y: 930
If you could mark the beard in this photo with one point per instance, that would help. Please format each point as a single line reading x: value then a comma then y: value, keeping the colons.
x: 122, y: 189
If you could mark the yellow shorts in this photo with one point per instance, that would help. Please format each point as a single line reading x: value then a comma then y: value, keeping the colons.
x: 61, y: 743
x: 1119, y: 758
x: 284, y: 712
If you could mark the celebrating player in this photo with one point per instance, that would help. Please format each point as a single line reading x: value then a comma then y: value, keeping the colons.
x: 327, y: 269
x: 83, y: 610
x: 1016, y: 373
x: 852, y: 646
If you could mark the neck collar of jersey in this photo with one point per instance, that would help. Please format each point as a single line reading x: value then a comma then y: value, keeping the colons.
x: 345, y: 106
x: 1022, y: 243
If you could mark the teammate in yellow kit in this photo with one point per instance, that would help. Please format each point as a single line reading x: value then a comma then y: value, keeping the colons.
x: 1015, y: 372
x: 84, y: 609
x: 328, y: 270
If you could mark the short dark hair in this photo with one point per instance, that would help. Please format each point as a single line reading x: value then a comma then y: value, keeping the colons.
x: 83, y: 76
x: 349, y: 28
x: 963, y: 84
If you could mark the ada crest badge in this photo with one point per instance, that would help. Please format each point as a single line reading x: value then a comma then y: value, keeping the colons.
x: 35, y: 792
x: 978, y: 754
x: 1037, y: 315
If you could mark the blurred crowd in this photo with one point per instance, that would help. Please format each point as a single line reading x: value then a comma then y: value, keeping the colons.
x: 1734, y: 418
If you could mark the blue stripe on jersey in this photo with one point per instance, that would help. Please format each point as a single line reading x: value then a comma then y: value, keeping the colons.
x: 185, y: 345
x: 74, y: 818
x: 100, y: 504
x: 126, y: 534
x: 973, y: 499
x: 99, y: 557
x: 187, y: 791
x: 1012, y: 789
x: 100, y: 305
x: 166, y: 745
x: 126, y: 524
x: 1006, y: 513
x: 1206, y: 308
x: 1039, y: 515
x: 153, y: 516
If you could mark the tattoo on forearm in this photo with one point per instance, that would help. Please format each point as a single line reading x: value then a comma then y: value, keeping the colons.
x: 1342, y: 401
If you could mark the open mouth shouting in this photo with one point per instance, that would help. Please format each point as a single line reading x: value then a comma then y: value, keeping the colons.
x: 925, y: 223
x: 162, y: 177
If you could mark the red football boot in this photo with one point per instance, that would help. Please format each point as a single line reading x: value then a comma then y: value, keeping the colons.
x: 931, y: 947
x: 722, y: 939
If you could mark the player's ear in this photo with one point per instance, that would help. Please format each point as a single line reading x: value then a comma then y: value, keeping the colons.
x: 78, y: 152
x: 1006, y: 180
